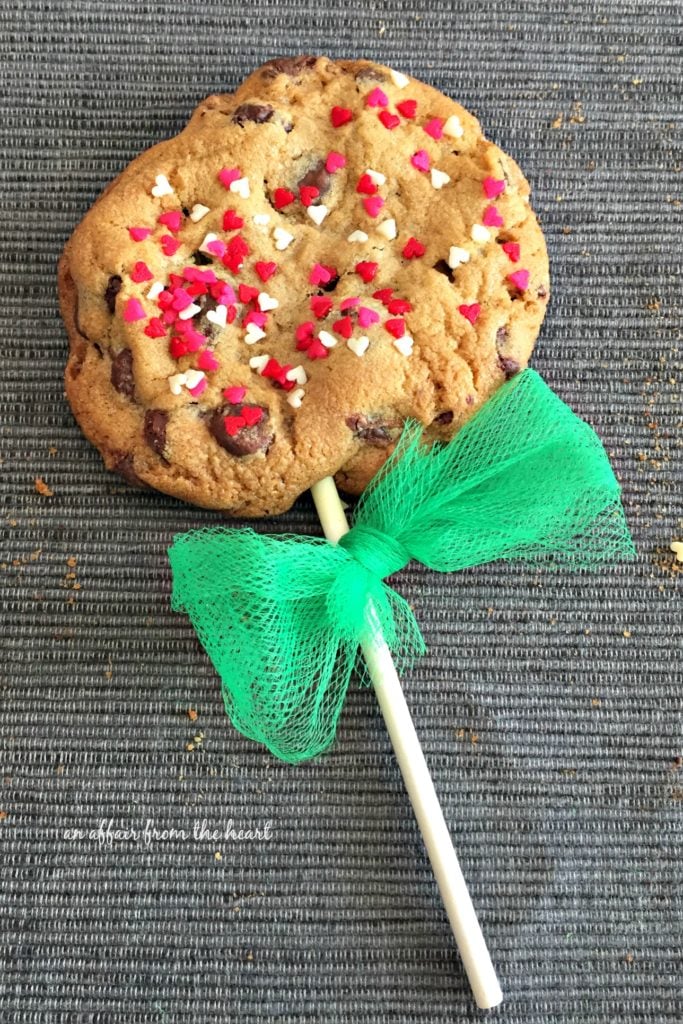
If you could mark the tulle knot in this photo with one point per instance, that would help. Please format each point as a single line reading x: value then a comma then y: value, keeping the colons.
x: 376, y: 551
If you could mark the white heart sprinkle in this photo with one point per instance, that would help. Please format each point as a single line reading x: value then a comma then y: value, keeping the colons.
x: 327, y: 339
x: 358, y: 345
x: 479, y: 233
x: 399, y: 79
x: 208, y: 238
x: 388, y: 229
x: 295, y: 398
x: 456, y: 256
x: 218, y: 316
x: 297, y: 374
x: 261, y: 218
x: 253, y: 334
x: 357, y: 236
x: 176, y: 382
x: 266, y: 302
x: 241, y: 187
x: 318, y: 213
x: 155, y: 291
x: 198, y: 211
x: 258, y: 363
x: 404, y: 345
x: 193, y: 378
x: 453, y: 127
x: 439, y: 178
x: 376, y: 177
x: 162, y: 187
x: 282, y: 238
x: 189, y: 311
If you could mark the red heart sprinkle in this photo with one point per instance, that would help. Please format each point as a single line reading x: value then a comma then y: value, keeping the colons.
x: 389, y: 121
x: 231, y: 221
x: 399, y: 306
x: 265, y: 270
x: 233, y: 424
x: 155, y: 328
x: 407, y: 107
x: 340, y: 116
x: 470, y: 312
x: 252, y: 414
x: 512, y: 251
x: 434, y: 128
x: 396, y: 327
x: 141, y: 272
x: 320, y: 306
x: 247, y: 293
x: 343, y: 326
x: 282, y: 197
x: 366, y: 270
x: 413, y: 248
x: 307, y: 193
x: 170, y: 245
x: 383, y: 295
x: 373, y: 204
x: 206, y: 360
x: 316, y: 350
x: 366, y: 185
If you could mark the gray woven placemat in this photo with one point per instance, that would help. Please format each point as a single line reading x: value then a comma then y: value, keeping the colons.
x: 549, y: 707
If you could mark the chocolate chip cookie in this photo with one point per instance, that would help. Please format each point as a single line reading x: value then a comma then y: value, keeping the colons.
x: 266, y: 298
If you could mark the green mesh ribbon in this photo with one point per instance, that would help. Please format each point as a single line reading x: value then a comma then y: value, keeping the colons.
x: 281, y: 617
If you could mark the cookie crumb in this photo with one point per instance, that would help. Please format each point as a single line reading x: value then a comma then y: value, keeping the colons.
x: 218, y: 855
x: 558, y: 122
x: 42, y: 488
x: 3, y: 815
x: 627, y: 633
x: 677, y: 548
x: 192, y: 714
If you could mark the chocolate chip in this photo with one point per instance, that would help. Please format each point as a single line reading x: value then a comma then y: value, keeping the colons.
x: 201, y: 258
x: 373, y: 430
x: 370, y: 74
x: 122, y: 373
x: 125, y: 468
x: 257, y: 112
x: 541, y: 293
x: 292, y: 66
x: 509, y: 366
x: 246, y: 441
x: 331, y: 284
x: 442, y: 267
x: 318, y: 177
x: 154, y: 430
x: 112, y: 290
x: 205, y: 302
x: 444, y: 418
x: 502, y: 337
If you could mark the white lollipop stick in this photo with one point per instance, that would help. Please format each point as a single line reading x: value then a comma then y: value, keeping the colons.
x: 418, y: 782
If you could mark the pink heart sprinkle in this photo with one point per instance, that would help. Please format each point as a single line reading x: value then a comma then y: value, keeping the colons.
x: 470, y: 312
x: 335, y: 161
x: 255, y: 316
x: 377, y: 98
x: 366, y: 316
x: 170, y: 245
x: 216, y: 248
x: 434, y: 128
x: 181, y: 299
x: 512, y: 251
x: 234, y: 395
x: 420, y: 160
x: 492, y: 218
x: 133, y: 311
x: 493, y: 187
x: 206, y: 360
x: 319, y: 275
x: 172, y: 219
x: 349, y: 303
x: 141, y: 272
x: 373, y: 204
x: 227, y: 175
x: 139, y: 234
x: 196, y: 391
x: 520, y: 279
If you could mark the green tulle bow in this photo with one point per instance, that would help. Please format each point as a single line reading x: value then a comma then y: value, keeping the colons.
x: 281, y: 617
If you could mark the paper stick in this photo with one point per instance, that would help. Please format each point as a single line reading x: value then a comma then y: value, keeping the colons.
x: 418, y: 782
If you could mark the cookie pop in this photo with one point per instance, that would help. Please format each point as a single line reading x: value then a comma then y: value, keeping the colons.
x: 330, y: 266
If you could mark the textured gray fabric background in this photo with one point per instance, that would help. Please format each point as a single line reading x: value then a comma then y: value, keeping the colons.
x: 549, y: 707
